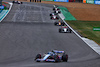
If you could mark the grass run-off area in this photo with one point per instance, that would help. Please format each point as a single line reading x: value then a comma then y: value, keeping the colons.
x: 85, y: 28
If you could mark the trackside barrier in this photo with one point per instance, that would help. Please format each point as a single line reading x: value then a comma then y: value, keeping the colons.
x: 90, y: 43
x: 61, y: 0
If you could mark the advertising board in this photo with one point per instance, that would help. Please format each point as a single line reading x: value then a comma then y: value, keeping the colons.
x: 84, y: 1
x: 96, y: 28
x: 97, y: 2
x: 90, y: 1
x: 1, y: 7
x: 61, y: 0
x: 47, y: 0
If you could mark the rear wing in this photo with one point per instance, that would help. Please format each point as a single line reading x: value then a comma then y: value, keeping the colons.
x: 56, y: 51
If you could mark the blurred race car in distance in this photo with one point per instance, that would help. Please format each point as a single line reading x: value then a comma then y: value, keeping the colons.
x: 53, y: 56
x: 52, y: 14
x: 65, y: 29
x: 58, y: 11
x: 54, y: 17
x: 17, y: 2
x: 55, y: 9
x: 59, y: 23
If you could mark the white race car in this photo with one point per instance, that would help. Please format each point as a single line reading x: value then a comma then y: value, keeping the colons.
x: 17, y: 2
x: 55, y: 8
x: 58, y: 11
x: 54, y: 17
x: 65, y: 29
x: 52, y: 14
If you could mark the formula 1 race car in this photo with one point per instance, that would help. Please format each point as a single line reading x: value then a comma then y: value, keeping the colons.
x: 59, y: 23
x: 17, y: 2
x: 54, y: 17
x: 53, y: 56
x: 52, y: 14
x: 58, y: 11
x: 55, y: 8
x: 65, y: 29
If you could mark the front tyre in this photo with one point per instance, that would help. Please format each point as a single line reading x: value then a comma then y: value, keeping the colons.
x: 50, y: 14
x: 21, y: 2
x: 65, y: 57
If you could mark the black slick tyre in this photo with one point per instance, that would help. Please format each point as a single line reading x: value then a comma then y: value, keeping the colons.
x: 57, y: 18
x: 21, y: 2
x: 50, y: 14
x: 55, y: 23
x: 59, y: 12
x: 13, y: 2
x: 53, y: 8
x: 51, y: 18
x: 38, y: 56
x: 65, y: 57
x: 59, y: 30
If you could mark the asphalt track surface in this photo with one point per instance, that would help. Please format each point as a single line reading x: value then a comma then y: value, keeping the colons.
x: 27, y: 30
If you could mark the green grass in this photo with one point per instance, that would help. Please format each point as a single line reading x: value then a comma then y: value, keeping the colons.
x: 85, y: 28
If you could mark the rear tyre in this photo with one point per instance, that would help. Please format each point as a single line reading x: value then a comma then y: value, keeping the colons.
x: 13, y: 2
x: 58, y: 9
x: 54, y: 11
x: 51, y: 18
x: 62, y: 24
x: 57, y: 18
x: 55, y: 23
x: 65, y: 57
x: 70, y: 30
x: 53, y: 8
x: 59, y: 12
x: 59, y: 30
x: 21, y: 2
